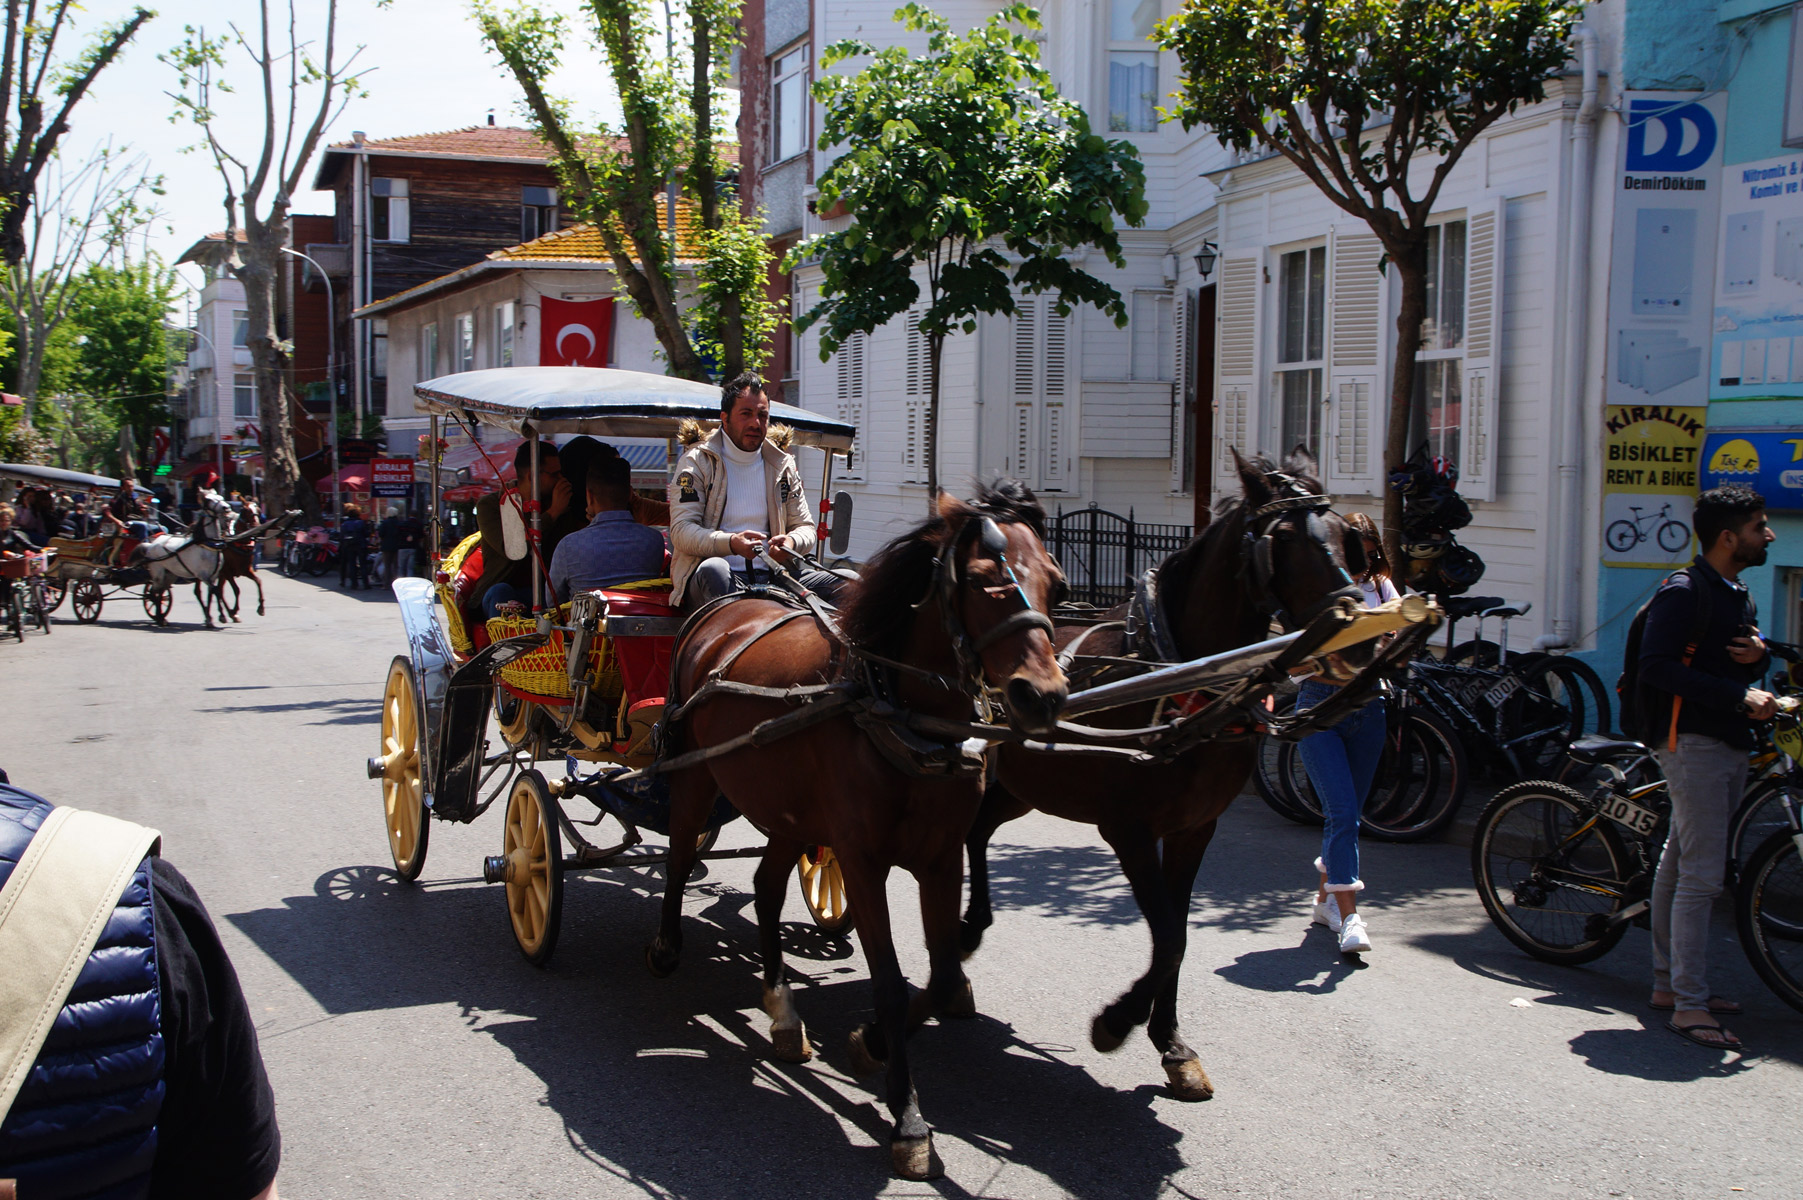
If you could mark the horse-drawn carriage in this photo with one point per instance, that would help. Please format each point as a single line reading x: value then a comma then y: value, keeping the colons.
x: 582, y: 682
x: 88, y: 567
x: 871, y: 729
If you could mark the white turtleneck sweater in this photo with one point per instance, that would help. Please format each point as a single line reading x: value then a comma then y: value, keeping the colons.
x: 746, y: 503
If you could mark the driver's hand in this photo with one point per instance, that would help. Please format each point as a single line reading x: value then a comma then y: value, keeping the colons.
x: 745, y: 543
x: 781, y: 548
x: 560, y: 497
x: 1747, y: 650
x: 1761, y: 706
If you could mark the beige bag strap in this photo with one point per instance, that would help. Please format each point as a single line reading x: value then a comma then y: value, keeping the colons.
x: 53, y: 909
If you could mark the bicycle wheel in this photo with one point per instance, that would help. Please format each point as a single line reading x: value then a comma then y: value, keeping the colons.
x: 1420, y: 779
x: 1760, y: 815
x: 1268, y: 778
x: 1293, y: 778
x: 1584, y: 684
x: 1537, y: 720
x: 1768, y: 912
x: 1474, y: 652
x: 1621, y: 536
x: 55, y: 588
x: 1673, y: 536
x: 1546, y: 872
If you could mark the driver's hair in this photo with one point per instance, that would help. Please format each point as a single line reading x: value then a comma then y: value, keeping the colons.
x: 1726, y: 507
x: 522, y: 457
x: 739, y: 385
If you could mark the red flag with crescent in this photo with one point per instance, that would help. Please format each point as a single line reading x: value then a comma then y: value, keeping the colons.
x: 575, y: 333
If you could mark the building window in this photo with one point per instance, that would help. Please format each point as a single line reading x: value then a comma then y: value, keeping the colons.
x: 1132, y: 66
x: 428, y: 351
x: 240, y: 328
x: 503, y: 343
x: 378, y: 348
x: 244, y: 395
x: 464, y: 348
x: 1154, y: 347
x: 1301, y: 313
x: 388, y: 210
x: 789, y: 104
x: 538, y: 212
x: 1440, y: 363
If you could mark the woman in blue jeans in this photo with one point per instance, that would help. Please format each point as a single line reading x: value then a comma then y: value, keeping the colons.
x: 1341, y: 761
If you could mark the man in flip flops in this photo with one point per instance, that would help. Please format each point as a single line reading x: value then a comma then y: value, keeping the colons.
x: 1701, y: 658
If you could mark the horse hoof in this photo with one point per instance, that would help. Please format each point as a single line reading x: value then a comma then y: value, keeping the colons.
x: 791, y: 1045
x: 970, y: 939
x: 963, y: 1006
x: 914, y: 1158
x: 1102, y: 1037
x: 863, y: 1062
x: 1188, y: 1080
x: 661, y: 960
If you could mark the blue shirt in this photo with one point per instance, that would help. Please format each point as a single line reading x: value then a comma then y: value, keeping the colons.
x: 612, y: 548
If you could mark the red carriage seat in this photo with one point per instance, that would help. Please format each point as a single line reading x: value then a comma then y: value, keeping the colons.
x: 644, y: 662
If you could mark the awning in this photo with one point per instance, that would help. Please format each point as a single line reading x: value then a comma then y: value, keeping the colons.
x: 353, y: 478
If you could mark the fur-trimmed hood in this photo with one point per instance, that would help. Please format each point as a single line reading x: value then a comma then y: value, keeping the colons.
x: 692, y: 431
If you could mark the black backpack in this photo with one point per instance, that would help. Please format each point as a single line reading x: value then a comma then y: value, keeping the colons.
x: 1644, y: 708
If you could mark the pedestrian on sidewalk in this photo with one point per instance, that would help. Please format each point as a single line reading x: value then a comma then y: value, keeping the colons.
x: 1341, y: 761
x: 353, y: 550
x: 1700, y: 657
x: 389, y: 536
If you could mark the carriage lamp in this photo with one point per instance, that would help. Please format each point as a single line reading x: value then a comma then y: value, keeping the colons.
x: 1205, y: 258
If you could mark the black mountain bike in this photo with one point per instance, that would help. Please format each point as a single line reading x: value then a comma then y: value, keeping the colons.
x: 1671, y: 534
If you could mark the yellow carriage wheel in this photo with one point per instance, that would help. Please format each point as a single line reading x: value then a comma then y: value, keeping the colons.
x: 403, y: 783
x: 513, y: 718
x: 532, y: 854
x: 823, y: 889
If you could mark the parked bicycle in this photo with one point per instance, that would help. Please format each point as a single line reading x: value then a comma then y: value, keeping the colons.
x: 25, y: 600
x: 1563, y: 874
x: 1672, y: 534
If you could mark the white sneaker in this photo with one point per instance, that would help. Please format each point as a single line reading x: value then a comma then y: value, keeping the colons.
x: 1353, y: 938
x: 1327, y: 912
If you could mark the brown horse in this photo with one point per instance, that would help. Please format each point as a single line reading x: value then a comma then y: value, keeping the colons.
x: 1275, y: 550
x: 237, y: 560
x: 952, y: 609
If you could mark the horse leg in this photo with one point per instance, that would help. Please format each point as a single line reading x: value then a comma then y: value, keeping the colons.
x: 999, y: 807
x: 691, y: 798
x: 948, y: 991
x: 258, y: 580
x: 788, y: 1039
x: 1182, y: 857
x: 205, y: 600
x: 1137, y: 849
x: 237, y: 599
x: 884, y: 1044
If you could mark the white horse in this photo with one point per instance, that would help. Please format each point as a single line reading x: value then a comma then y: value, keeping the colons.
x: 175, y: 558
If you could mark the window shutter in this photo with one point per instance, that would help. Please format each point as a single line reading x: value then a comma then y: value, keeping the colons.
x: 849, y: 399
x: 398, y: 226
x: 1483, y: 351
x: 1236, y: 362
x: 1356, y: 309
x: 1055, y: 463
x: 1041, y: 437
x: 1024, y: 391
x: 1183, y: 390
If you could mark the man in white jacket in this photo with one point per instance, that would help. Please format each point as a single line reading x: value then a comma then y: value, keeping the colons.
x: 736, y: 491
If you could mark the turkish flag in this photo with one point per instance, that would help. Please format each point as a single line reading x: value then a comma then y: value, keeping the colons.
x: 575, y: 333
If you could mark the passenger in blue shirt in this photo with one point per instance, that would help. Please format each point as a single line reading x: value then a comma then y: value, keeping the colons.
x: 612, y: 548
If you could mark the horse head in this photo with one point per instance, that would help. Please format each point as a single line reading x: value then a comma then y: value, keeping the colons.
x: 982, y: 570
x: 216, y: 516
x: 1275, y: 551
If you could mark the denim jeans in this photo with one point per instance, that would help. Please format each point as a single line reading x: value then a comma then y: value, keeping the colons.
x: 500, y: 593
x: 1706, y: 778
x: 715, y: 577
x: 1341, y: 761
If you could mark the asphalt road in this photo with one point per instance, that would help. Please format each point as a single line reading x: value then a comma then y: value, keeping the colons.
x: 414, y: 1053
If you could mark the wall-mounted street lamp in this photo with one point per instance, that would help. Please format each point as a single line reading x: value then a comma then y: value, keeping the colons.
x: 1205, y: 258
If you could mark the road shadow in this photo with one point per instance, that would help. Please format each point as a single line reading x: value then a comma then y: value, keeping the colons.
x: 644, y: 1071
x: 1314, y: 965
x: 345, y: 710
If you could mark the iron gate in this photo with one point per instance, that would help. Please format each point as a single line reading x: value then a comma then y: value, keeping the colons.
x: 1102, y: 552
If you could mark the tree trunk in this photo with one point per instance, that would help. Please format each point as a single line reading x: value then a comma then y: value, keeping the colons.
x: 1411, y: 266
x: 283, y: 486
x: 935, y: 345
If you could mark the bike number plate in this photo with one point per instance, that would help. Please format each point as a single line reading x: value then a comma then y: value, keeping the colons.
x: 1502, y: 690
x: 1625, y: 812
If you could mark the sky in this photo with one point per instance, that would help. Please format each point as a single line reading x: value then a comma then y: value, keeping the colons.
x: 426, y: 70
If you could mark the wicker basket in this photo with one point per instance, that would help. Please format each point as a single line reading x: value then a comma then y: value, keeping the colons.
x: 544, y: 671
x: 451, y: 565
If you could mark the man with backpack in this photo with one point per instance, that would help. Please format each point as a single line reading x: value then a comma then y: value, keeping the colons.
x: 1700, y: 657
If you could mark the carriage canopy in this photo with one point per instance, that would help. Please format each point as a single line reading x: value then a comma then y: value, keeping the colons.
x: 33, y: 475
x: 603, y: 402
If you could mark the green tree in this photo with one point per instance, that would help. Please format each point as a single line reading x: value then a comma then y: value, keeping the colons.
x: 627, y: 180
x: 966, y: 162
x: 125, y: 347
x: 1374, y: 101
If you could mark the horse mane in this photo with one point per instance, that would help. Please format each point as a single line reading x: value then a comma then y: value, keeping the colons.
x: 881, y: 608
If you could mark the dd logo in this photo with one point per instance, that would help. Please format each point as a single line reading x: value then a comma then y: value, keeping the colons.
x: 1664, y: 136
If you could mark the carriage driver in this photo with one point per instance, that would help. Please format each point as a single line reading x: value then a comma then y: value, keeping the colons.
x: 734, y: 492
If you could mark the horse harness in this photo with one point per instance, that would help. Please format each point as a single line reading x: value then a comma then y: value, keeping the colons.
x: 866, y: 688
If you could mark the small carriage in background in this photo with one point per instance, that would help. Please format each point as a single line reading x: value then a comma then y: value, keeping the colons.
x: 582, y: 683
x: 79, y: 567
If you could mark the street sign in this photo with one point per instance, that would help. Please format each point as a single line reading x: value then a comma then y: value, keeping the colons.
x: 1768, y: 460
x: 391, y: 477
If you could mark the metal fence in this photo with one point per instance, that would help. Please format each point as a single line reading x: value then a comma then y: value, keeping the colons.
x: 1102, y: 552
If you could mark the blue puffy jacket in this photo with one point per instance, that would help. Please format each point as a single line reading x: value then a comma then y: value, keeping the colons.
x: 85, y: 1122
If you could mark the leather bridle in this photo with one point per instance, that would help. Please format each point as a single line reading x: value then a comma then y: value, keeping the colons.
x: 1291, y: 496
x: 949, y: 579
